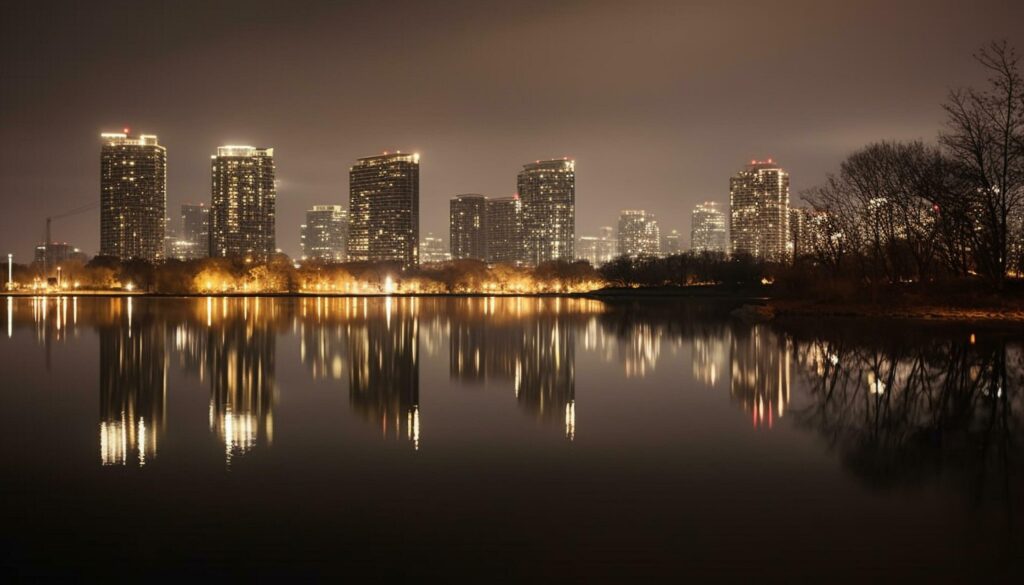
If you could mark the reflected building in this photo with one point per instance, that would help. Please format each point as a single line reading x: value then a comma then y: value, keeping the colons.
x: 760, y: 372
x: 240, y: 363
x: 383, y: 373
x: 133, y: 384
x: 710, y: 357
x: 529, y: 344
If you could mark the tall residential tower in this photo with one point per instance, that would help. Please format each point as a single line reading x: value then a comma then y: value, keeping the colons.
x: 325, y: 234
x: 638, y: 234
x: 548, y: 192
x: 133, y: 196
x: 505, y: 230
x: 467, y: 234
x: 759, y: 211
x: 384, y: 209
x: 707, y: 229
x: 243, y: 203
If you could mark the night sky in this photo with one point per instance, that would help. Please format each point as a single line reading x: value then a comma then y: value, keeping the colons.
x: 659, y: 102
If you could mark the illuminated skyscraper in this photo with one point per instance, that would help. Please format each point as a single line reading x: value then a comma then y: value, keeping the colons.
x: 505, y: 230
x: 671, y: 243
x: 707, y: 229
x: 325, y: 233
x: 195, y: 229
x: 433, y: 250
x: 638, y: 233
x: 598, y: 249
x: 468, y: 227
x: 243, y: 208
x: 548, y: 191
x: 759, y: 211
x: 384, y: 209
x: 133, y: 196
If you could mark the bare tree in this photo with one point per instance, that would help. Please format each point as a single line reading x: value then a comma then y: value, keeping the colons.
x: 985, y: 136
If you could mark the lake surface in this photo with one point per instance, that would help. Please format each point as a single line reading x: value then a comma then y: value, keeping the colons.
x: 503, y: 438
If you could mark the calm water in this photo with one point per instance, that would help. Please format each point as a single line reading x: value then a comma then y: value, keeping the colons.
x: 503, y: 438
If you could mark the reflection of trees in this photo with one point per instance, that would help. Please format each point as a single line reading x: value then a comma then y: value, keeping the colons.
x: 133, y: 383
x: 904, y: 412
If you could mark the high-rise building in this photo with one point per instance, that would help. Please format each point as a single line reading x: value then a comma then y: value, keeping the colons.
x: 433, y: 250
x: 242, y: 213
x: 598, y: 249
x: 808, y: 230
x: 52, y: 254
x: 468, y: 227
x: 759, y: 211
x: 505, y: 230
x: 671, y: 243
x: 707, y: 229
x: 384, y: 209
x: 325, y: 233
x: 638, y: 233
x: 548, y: 191
x: 195, y: 228
x: 133, y: 196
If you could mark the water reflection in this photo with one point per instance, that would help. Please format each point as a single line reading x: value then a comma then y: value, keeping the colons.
x: 894, y: 410
x: 384, y: 380
x: 525, y: 345
x: 133, y: 384
x: 906, y: 411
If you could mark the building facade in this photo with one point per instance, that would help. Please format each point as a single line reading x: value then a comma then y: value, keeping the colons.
x: 707, y: 229
x: 195, y: 228
x: 548, y: 192
x: 759, y: 211
x: 384, y: 209
x: 433, y: 250
x: 671, y: 243
x: 467, y: 227
x: 505, y: 230
x: 325, y: 234
x: 133, y: 196
x: 638, y: 234
x: 598, y: 249
x: 242, y: 211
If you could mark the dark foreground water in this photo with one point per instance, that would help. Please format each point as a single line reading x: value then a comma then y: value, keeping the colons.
x: 527, y: 439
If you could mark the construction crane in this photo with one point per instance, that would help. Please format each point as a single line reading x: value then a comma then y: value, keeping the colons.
x: 49, y: 220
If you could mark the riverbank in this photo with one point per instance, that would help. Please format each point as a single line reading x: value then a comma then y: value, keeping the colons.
x: 930, y: 312
x: 995, y: 311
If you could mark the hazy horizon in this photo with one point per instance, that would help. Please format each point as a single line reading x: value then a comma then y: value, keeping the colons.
x: 658, y: 102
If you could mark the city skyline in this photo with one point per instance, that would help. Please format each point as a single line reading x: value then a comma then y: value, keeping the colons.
x: 664, y: 100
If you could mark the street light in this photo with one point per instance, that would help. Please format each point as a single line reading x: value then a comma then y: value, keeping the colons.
x: 10, y: 272
x: 59, y: 277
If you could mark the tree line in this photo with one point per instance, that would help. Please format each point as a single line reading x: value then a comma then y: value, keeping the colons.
x: 916, y: 212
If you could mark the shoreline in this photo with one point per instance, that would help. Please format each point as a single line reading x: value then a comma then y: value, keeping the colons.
x: 925, y: 312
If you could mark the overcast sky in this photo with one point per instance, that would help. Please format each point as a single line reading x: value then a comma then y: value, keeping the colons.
x: 658, y: 102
